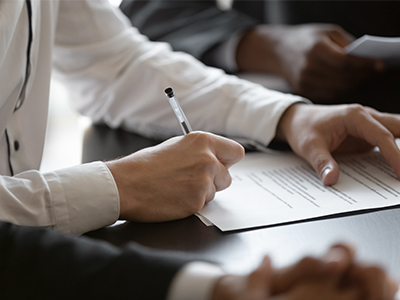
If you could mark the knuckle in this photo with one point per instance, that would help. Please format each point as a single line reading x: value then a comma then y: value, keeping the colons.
x: 203, y: 137
x: 208, y: 163
x: 196, y: 206
x: 354, y: 110
x: 224, y: 181
x: 306, y: 262
x: 334, y: 28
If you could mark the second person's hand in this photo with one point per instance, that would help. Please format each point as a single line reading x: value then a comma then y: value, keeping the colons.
x: 315, y: 131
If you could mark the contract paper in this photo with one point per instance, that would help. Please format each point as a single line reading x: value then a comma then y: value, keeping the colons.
x: 270, y: 189
x: 385, y: 48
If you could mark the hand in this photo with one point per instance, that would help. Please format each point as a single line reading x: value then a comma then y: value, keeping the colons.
x: 254, y: 286
x: 335, y: 276
x: 265, y: 282
x: 315, y: 131
x: 344, y: 278
x: 174, y: 179
x: 311, y: 58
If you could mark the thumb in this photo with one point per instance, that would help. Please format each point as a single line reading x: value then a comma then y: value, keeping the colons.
x: 259, y: 281
x: 323, y: 163
x: 341, y: 37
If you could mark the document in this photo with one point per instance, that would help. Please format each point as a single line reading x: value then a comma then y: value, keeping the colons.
x: 385, y: 48
x: 278, y: 188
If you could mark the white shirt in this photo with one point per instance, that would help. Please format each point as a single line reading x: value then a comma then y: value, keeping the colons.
x: 115, y: 76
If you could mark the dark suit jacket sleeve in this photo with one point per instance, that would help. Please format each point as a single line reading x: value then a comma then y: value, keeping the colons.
x: 43, y: 264
x: 191, y: 26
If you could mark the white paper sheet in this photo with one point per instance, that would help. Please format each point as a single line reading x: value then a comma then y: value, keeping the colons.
x: 385, y: 48
x: 277, y: 188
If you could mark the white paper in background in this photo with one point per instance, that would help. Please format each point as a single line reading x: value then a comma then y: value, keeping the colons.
x: 277, y: 188
x: 385, y: 48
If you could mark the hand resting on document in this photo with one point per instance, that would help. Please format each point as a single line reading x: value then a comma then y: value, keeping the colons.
x: 314, y: 132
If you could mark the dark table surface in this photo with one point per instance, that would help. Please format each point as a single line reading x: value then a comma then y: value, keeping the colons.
x: 376, y: 234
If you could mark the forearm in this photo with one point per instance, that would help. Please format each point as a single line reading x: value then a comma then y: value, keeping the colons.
x: 124, y: 89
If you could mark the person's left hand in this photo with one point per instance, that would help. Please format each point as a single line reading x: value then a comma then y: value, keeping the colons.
x: 314, y: 132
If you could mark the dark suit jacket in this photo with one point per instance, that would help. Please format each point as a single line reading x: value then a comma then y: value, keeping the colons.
x: 198, y: 26
x: 43, y: 264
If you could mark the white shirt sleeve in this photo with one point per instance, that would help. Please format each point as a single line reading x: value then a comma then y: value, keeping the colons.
x: 72, y: 200
x: 195, y: 281
x: 116, y: 76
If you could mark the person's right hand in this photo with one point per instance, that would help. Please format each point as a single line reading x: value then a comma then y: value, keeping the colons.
x: 310, y: 57
x: 174, y: 179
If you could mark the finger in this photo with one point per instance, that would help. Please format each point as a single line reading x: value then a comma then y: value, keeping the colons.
x: 308, y: 268
x: 341, y: 37
x: 210, y: 195
x: 353, y: 68
x: 321, y: 290
x: 226, y: 150
x: 348, y: 294
x: 371, y: 280
x: 365, y: 66
x: 222, y: 179
x: 341, y: 255
x: 361, y: 124
x: 390, y: 121
x: 317, y: 153
x: 336, y: 261
x: 393, y: 287
x: 259, y: 281
x: 331, y: 54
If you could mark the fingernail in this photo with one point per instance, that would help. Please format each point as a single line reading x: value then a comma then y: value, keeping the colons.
x: 336, y: 254
x: 334, y: 258
x: 325, y: 173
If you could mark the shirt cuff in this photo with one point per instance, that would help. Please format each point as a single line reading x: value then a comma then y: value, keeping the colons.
x: 195, y: 281
x: 224, y: 55
x: 84, y: 197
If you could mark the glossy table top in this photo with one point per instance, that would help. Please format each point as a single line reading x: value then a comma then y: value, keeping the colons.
x: 376, y: 235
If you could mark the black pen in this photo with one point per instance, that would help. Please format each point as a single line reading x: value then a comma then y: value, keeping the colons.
x: 180, y: 115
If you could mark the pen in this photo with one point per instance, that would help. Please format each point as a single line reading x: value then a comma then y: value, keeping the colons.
x: 180, y: 115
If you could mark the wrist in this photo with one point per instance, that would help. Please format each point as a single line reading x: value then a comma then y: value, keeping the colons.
x: 112, y: 166
x: 257, y: 51
x: 285, y: 122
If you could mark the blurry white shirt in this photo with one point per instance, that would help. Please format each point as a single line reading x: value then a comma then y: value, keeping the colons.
x: 115, y: 76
